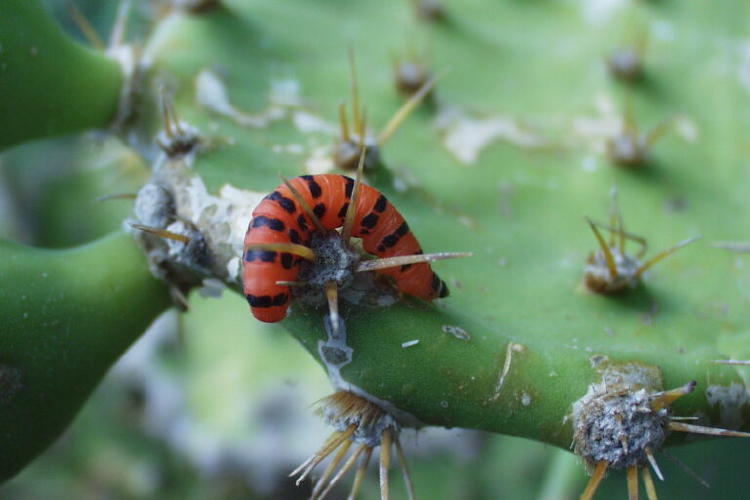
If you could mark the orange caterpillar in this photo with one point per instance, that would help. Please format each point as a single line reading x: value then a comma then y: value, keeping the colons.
x: 279, y: 219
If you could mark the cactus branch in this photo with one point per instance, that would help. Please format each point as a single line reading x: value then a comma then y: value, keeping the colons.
x: 68, y: 315
x: 51, y: 85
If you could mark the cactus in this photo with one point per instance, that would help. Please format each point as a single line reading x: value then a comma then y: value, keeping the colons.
x: 519, y: 142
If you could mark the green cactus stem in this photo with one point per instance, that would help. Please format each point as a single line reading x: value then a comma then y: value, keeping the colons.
x: 505, y: 163
x: 50, y: 85
x: 67, y: 316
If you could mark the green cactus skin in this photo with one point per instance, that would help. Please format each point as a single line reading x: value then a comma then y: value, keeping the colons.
x: 519, y: 209
x: 524, y: 283
x: 50, y: 84
x: 67, y: 316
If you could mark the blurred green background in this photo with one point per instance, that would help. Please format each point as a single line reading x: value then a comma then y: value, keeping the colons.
x: 212, y: 404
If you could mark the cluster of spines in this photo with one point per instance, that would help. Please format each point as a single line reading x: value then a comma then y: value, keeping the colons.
x: 360, y: 421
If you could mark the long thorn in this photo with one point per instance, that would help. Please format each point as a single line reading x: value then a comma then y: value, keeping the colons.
x: 596, y: 478
x: 161, y: 232
x: 733, y: 246
x: 344, y: 123
x: 169, y: 116
x: 292, y: 248
x: 700, y: 429
x: 385, y: 464
x: 630, y: 236
x: 405, y: 110
x: 624, y: 443
x: 181, y: 300
x: 333, y: 305
x: 355, y: 90
x: 362, y: 129
x: 331, y: 444
x: 404, y: 469
x: 658, y: 132
x: 666, y: 398
x: 330, y: 468
x: 321, y: 455
x: 351, y: 210
x: 663, y: 255
x: 334, y: 437
x: 291, y: 283
x: 731, y: 362
x: 117, y: 196
x: 614, y: 220
x: 620, y: 223
x: 611, y: 265
x: 117, y: 37
x: 403, y: 260
x: 85, y: 26
x: 648, y: 482
x: 654, y: 465
x: 305, y: 206
x: 633, y: 482
x: 344, y: 469
x: 687, y: 469
x: 360, y: 475
x: 167, y: 113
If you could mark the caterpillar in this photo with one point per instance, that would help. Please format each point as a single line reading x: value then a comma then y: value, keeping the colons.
x: 282, y: 219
